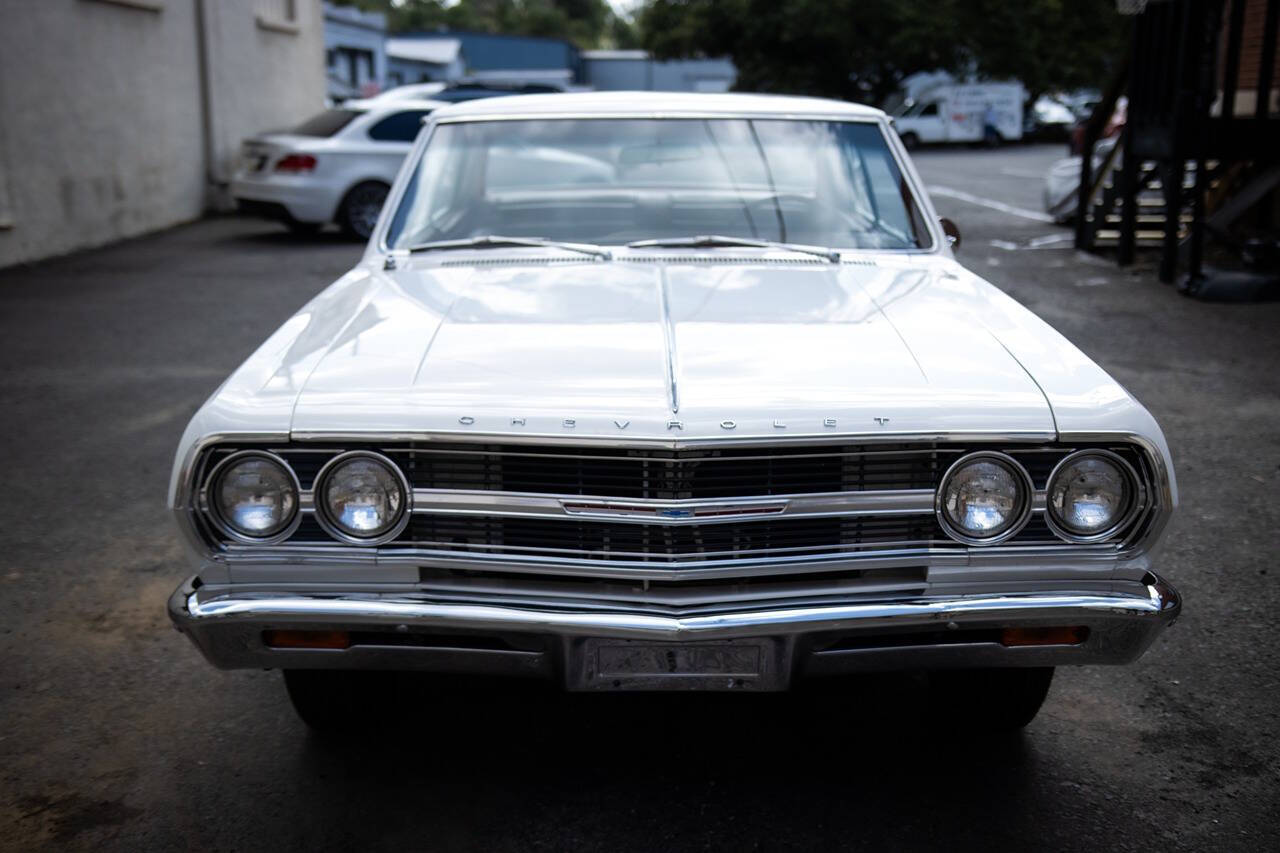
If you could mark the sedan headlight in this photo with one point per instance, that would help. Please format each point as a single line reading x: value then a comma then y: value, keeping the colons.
x: 1091, y: 495
x: 985, y: 498
x: 362, y: 498
x: 253, y: 496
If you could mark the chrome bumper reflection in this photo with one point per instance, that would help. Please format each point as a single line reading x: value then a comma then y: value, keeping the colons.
x: 228, y: 626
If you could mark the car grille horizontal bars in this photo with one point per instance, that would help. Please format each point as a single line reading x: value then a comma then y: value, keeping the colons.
x: 704, y: 473
x: 678, y: 597
x: 481, y: 535
x: 485, y: 503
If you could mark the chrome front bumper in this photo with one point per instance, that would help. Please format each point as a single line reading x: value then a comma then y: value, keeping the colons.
x: 401, y: 631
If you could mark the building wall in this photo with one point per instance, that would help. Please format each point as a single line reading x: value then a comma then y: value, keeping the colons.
x: 105, y: 132
x: 403, y: 71
x: 347, y: 28
x: 622, y: 71
x: 1251, y: 35
x: 497, y: 52
x: 266, y: 71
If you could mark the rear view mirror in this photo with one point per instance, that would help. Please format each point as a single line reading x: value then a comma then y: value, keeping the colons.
x: 953, y: 233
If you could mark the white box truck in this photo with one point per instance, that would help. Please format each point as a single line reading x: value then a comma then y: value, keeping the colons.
x: 955, y: 113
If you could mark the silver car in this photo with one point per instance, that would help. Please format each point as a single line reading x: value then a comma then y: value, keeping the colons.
x: 336, y: 166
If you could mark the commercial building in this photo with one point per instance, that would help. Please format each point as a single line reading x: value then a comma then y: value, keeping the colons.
x: 631, y: 70
x: 413, y: 60
x: 485, y: 56
x: 355, y: 51
x: 126, y: 116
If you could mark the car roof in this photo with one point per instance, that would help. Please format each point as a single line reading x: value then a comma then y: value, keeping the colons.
x: 642, y: 104
x: 392, y: 104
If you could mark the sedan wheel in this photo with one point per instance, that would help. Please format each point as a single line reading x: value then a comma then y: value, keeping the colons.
x: 360, y: 209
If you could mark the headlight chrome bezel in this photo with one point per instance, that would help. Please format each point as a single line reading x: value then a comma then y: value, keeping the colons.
x: 1022, y: 516
x: 213, y: 512
x: 321, y: 505
x: 1136, y: 497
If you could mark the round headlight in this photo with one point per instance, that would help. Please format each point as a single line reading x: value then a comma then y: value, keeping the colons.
x: 253, y: 496
x: 985, y: 498
x: 362, y: 497
x: 1090, y: 495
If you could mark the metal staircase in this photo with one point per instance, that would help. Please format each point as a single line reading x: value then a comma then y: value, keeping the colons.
x: 1184, y: 151
x: 1104, y: 213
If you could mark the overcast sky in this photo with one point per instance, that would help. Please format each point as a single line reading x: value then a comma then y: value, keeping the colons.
x: 624, y: 6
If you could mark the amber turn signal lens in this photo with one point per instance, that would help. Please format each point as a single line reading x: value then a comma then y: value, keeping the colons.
x: 1072, y: 636
x: 307, y: 639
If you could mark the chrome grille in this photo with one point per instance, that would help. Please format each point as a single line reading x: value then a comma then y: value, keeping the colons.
x: 662, y: 474
x: 475, y: 532
x: 681, y: 597
x: 659, y: 543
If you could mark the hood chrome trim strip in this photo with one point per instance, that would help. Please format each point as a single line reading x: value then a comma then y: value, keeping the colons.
x: 669, y: 341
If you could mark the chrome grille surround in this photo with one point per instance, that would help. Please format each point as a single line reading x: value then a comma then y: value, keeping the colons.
x: 580, y: 534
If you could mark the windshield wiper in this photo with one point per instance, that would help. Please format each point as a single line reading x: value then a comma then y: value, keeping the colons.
x: 494, y: 240
x: 710, y: 240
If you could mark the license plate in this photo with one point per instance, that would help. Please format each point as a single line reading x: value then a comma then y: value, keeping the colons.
x: 715, y: 659
x: 253, y: 160
x: 748, y: 664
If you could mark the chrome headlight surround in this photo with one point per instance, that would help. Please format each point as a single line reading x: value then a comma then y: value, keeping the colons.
x: 209, y: 502
x: 1020, y: 517
x: 1136, y: 497
x: 322, y: 505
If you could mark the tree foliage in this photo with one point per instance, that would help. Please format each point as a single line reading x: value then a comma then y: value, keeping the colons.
x: 862, y: 49
x: 585, y: 23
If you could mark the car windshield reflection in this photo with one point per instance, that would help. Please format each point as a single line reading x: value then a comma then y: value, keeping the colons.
x: 617, y: 181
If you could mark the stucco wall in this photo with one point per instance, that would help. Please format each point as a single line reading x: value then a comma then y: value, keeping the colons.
x: 104, y: 132
x: 261, y: 77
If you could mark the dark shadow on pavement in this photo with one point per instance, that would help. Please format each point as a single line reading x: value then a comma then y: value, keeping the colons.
x: 842, y: 764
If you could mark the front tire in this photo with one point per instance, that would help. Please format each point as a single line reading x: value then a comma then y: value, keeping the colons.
x: 359, y: 210
x: 988, y: 700
x: 910, y: 141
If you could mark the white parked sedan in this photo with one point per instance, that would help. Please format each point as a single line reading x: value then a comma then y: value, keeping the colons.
x: 334, y: 167
x: 669, y: 392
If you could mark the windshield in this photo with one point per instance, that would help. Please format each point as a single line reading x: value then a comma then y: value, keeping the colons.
x: 615, y: 181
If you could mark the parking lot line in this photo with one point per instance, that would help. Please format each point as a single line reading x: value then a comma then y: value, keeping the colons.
x: 960, y: 195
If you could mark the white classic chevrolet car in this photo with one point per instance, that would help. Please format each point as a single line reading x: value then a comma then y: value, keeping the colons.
x: 669, y: 392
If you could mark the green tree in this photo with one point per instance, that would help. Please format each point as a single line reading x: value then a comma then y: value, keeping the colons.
x: 586, y: 23
x: 1049, y: 44
x: 862, y: 49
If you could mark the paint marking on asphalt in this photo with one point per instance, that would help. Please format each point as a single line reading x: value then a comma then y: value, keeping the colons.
x: 1022, y: 173
x: 960, y: 195
x: 1049, y: 241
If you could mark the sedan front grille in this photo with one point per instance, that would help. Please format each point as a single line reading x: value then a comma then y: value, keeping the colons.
x: 473, y: 503
x: 659, y: 543
x: 675, y: 475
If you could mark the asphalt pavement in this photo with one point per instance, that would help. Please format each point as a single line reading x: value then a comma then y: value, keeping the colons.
x: 115, y: 734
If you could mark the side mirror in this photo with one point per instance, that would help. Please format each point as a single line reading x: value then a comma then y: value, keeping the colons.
x: 953, y: 233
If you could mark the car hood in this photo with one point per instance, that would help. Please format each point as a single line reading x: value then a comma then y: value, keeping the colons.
x: 655, y: 349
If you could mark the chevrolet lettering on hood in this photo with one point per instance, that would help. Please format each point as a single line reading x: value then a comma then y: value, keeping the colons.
x: 571, y: 423
x: 637, y: 392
